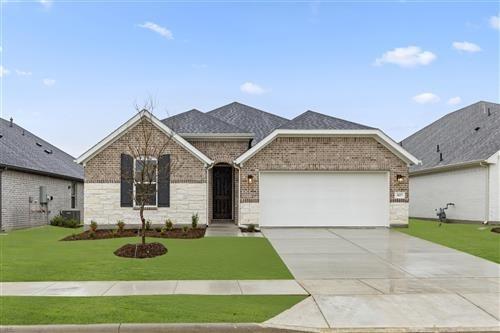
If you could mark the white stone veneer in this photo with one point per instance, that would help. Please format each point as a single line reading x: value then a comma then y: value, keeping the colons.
x: 102, y: 204
x: 249, y: 213
x: 398, y: 213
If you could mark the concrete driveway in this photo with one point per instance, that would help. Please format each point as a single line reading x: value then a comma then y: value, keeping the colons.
x: 369, y: 278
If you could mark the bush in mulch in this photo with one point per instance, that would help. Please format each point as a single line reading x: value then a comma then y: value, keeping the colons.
x: 60, y: 221
x: 496, y: 229
x: 157, y: 233
x: 141, y: 251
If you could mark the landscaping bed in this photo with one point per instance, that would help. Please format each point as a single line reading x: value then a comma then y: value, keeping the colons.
x: 106, y: 234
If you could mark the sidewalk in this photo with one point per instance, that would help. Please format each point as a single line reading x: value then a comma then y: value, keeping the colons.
x: 168, y: 287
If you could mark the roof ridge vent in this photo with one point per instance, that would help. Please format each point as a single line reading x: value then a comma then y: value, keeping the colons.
x: 11, y: 122
x: 489, y: 112
x: 38, y: 144
x: 437, y: 148
x: 440, y: 157
x: 477, y: 128
x: 48, y: 151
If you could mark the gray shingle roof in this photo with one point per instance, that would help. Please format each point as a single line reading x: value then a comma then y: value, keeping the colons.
x: 253, y: 120
x: 20, y: 149
x: 195, y: 121
x: 466, y: 135
x: 313, y: 120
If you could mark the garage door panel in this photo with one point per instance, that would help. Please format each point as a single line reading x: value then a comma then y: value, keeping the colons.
x: 324, y: 199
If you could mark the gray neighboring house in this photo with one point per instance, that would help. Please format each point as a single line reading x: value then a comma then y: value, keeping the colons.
x: 37, y: 180
x: 460, y: 165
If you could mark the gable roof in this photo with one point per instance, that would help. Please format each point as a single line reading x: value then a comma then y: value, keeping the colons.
x: 250, y: 119
x: 315, y: 121
x: 470, y: 134
x: 194, y: 122
x: 23, y: 150
x: 376, y: 134
x: 144, y: 114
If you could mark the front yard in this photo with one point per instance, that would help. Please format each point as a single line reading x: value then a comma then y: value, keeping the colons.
x: 475, y: 239
x: 38, y: 255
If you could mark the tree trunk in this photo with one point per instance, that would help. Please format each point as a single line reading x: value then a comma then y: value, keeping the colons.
x: 143, y: 221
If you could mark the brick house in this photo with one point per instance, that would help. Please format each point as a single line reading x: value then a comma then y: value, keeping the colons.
x: 243, y: 165
x: 37, y: 180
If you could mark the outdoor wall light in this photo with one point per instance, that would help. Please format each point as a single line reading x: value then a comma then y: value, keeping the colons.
x: 400, y: 178
x: 250, y: 179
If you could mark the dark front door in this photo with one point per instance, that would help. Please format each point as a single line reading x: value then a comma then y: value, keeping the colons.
x: 222, y: 193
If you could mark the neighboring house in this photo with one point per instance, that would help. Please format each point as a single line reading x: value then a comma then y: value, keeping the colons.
x: 37, y: 180
x: 460, y: 165
x: 243, y: 165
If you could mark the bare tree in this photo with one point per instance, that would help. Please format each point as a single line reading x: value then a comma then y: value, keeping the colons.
x: 153, y: 162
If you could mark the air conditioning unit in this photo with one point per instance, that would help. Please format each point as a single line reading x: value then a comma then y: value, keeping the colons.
x: 71, y: 214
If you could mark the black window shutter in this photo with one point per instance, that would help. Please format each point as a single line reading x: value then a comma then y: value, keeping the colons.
x: 164, y: 181
x: 126, y: 180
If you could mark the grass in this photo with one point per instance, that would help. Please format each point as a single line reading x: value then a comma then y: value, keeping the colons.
x: 475, y: 239
x: 37, y: 255
x: 142, y: 309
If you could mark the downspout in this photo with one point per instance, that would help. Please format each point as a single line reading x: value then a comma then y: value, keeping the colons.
x: 487, y: 205
x: 239, y: 192
x: 208, y: 167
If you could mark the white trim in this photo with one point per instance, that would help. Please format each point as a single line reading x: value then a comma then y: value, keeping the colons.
x: 115, y: 135
x: 378, y: 135
x: 216, y: 136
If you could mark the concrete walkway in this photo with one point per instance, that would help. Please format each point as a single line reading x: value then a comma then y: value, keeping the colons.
x: 374, y: 278
x: 228, y: 230
x: 171, y: 287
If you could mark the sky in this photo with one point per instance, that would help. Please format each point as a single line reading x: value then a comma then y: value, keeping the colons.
x: 71, y: 72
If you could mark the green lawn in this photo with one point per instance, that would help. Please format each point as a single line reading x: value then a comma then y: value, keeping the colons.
x: 471, y: 238
x: 142, y: 309
x: 37, y: 255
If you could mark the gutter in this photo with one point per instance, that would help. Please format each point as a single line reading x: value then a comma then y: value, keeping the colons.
x: 42, y: 173
x: 447, y: 167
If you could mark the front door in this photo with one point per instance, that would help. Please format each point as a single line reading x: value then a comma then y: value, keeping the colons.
x: 222, y: 193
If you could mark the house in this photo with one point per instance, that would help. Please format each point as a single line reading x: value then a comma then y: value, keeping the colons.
x: 37, y: 180
x: 460, y: 165
x: 246, y: 166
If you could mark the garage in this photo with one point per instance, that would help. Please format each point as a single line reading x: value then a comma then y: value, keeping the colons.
x: 324, y: 199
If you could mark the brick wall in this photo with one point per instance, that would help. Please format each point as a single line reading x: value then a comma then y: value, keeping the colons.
x: 105, y: 166
x: 17, y: 188
x: 324, y: 154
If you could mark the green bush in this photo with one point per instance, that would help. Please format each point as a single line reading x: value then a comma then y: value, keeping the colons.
x: 60, y: 221
x: 57, y: 221
x: 251, y: 227
x: 71, y: 223
x: 185, y: 229
x: 169, y: 225
x: 148, y: 225
x: 194, y: 220
x: 93, y: 225
x: 121, y: 225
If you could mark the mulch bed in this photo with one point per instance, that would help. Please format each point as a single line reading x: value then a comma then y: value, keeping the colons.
x: 496, y: 229
x: 140, y: 251
x: 106, y: 234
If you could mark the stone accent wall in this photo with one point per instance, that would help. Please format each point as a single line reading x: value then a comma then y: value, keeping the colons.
x: 222, y: 151
x: 19, y: 211
x: 323, y: 154
x: 398, y: 213
x: 102, y: 204
x: 105, y: 166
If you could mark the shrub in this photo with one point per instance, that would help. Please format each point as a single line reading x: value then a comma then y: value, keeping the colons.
x: 121, y: 225
x: 158, y: 229
x: 71, y: 223
x: 57, y: 221
x: 251, y: 227
x: 185, y: 229
x: 194, y: 220
x: 169, y: 225
x: 92, y: 234
x: 148, y: 225
x: 114, y: 233
x: 93, y: 225
x: 163, y: 231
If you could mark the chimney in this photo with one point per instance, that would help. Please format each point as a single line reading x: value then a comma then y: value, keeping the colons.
x: 11, y: 122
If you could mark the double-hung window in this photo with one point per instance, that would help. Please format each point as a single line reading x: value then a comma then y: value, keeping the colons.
x: 146, y: 181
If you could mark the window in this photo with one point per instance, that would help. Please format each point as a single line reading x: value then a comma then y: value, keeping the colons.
x: 73, y: 195
x: 145, y: 181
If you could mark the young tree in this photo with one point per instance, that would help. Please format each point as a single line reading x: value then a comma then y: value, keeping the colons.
x: 149, y: 149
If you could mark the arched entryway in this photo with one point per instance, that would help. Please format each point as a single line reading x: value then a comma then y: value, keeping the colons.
x: 223, y: 193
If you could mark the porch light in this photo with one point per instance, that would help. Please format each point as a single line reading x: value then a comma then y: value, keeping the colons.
x: 400, y: 178
x: 250, y: 179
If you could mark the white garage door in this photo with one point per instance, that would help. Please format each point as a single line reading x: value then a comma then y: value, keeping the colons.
x: 319, y: 199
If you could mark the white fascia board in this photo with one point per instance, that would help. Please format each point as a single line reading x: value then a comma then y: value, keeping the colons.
x: 375, y: 133
x: 115, y: 135
x: 493, y: 159
x: 448, y: 167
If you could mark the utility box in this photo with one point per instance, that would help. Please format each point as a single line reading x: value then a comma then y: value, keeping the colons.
x: 71, y: 214
x: 43, y: 195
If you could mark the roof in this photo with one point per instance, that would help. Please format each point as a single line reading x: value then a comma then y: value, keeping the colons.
x: 314, y: 120
x: 466, y: 135
x: 250, y: 119
x: 374, y: 133
x: 197, y: 122
x: 22, y: 150
x: 144, y: 114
